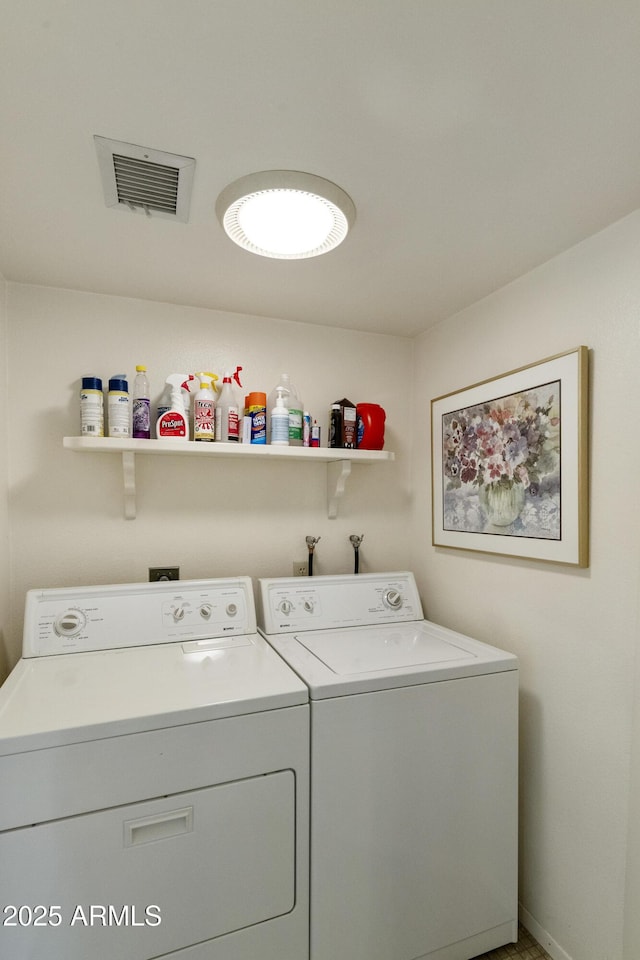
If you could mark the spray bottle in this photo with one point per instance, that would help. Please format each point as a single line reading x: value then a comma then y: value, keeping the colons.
x: 174, y: 424
x: 228, y: 414
x: 204, y: 408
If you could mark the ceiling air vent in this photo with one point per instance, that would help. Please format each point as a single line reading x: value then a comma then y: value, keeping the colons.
x: 143, y: 180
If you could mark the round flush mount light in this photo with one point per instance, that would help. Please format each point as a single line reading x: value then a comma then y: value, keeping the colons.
x: 285, y: 214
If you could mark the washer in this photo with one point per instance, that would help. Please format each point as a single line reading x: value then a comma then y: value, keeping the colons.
x: 413, y: 770
x: 154, y: 775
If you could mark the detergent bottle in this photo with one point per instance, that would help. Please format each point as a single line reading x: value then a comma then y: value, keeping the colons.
x: 174, y: 423
x: 228, y: 412
x: 204, y: 408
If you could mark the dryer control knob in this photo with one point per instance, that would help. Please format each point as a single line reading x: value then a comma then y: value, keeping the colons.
x: 393, y: 599
x: 285, y: 606
x: 70, y: 623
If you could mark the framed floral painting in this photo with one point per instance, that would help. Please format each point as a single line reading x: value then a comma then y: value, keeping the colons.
x: 509, y: 463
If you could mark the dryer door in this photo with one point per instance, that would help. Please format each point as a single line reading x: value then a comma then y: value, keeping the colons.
x: 145, y: 879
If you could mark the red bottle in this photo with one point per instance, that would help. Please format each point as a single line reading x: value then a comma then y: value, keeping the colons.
x: 371, y: 418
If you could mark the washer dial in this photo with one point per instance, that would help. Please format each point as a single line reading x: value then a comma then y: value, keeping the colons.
x: 392, y: 598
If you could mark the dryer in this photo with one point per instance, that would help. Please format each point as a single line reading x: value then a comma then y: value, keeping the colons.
x: 153, y: 780
x: 413, y: 770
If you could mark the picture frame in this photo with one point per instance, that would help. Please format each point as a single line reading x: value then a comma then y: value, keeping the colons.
x: 509, y: 463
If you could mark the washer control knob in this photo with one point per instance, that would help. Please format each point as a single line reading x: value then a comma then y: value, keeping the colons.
x: 205, y: 611
x: 70, y: 623
x: 232, y: 609
x: 392, y: 599
x: 178, y: 614
x: 285, y: 606
x: 308, y: 606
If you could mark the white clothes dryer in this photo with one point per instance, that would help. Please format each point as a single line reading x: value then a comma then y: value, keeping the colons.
x: 413, y: 770
x: 153, y: 780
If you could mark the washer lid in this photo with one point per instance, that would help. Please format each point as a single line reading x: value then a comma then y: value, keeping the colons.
x: 364, y: 659
x: 51, y: 701
x: 382, y: 648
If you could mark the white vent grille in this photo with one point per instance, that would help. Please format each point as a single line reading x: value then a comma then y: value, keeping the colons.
x: 144, y: 180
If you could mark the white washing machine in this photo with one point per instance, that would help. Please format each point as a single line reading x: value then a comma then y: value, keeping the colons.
x: 153, y: 780
x: 413, y: 770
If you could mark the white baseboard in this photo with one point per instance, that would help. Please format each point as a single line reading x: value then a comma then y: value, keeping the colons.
x: 540, y: 934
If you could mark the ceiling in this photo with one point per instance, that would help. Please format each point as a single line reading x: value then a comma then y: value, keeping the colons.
x: 477, y: 139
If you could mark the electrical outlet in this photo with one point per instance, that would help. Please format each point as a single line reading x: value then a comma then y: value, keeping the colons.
x: 163, y: 573
x: 300, y: 568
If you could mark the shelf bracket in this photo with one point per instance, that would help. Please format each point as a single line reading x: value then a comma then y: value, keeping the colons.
x: 129, y: 477
x: 338, y: 472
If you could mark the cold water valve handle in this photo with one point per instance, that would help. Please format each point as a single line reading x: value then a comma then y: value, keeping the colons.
x: 355, y: 543
x: 311, y: 545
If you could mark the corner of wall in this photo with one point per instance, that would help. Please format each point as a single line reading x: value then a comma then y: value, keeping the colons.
x: 4, y: 486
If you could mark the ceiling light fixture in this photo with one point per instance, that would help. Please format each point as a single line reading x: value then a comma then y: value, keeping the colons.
x: 285, y: 214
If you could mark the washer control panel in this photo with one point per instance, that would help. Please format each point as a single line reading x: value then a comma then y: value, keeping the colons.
x: 128, y: 615
x: 290, y: 604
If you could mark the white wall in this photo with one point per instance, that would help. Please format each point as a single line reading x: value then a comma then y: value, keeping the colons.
x: 575, y: 631
x: 210, y: 517
x: 4, y: 516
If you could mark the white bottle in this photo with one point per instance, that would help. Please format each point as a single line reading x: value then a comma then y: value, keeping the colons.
x: 204, y: 409
x: 141, y: 418
x: 119, y: 407
x: 174, y: 423
x: 91, y: 408
x: 279, y: 420
x: 296, y: 418
x: 294, y: 404
x: 228, y: 414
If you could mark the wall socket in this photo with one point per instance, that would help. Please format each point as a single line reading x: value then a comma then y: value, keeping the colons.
x: 163, y: 573
x: 300, y: 568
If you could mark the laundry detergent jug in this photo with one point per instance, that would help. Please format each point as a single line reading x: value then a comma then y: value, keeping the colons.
x: 370, y: 418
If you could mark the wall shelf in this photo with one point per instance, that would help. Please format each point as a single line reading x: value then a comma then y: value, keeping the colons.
x: 338, y: 462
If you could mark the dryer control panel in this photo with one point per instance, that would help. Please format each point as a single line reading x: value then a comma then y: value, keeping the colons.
x: 136, y: 614
x: 289, y: 604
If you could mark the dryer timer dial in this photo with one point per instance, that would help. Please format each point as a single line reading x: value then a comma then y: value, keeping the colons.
x: 70, y: 623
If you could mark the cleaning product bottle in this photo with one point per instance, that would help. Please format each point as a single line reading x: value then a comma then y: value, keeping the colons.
x: 174, y: 424
x: 342, y: 424
x: 279, y: 421
x: 141, y: 405
x: 91, y: 408
x: 118, y: 406
x: 294, y: 404
x: 204, y: 408
x: 228, y: 412
x: 257, y: 413
x: 296, y: 415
